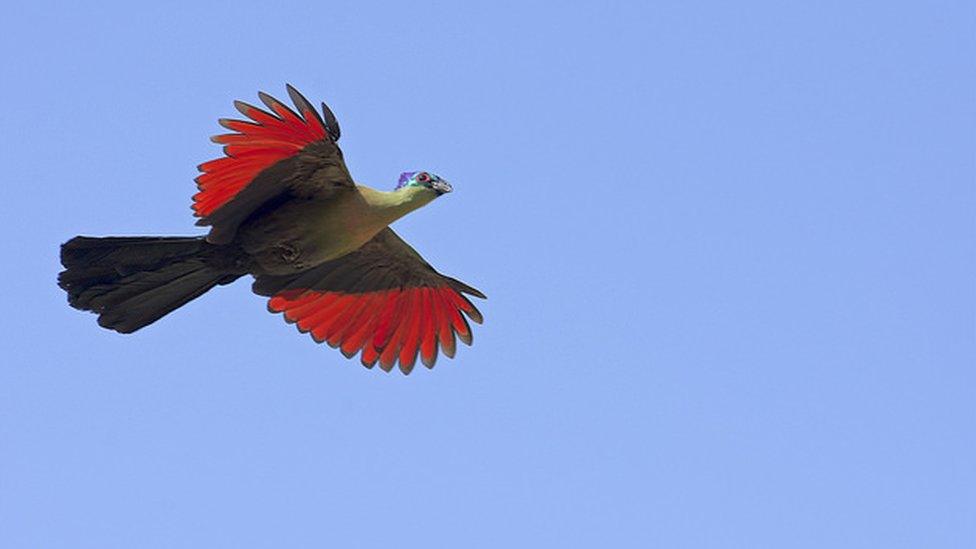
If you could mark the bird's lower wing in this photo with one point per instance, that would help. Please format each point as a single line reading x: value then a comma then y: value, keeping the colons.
x: 382, y: 300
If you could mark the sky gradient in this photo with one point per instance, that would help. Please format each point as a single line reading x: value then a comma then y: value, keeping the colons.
x: 728, y: 251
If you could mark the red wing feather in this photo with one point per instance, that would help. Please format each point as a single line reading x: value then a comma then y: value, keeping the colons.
x: 256, y: 145
x: 352, y: 337
x: 411, y: 334
x: 445, y: 334
x: 388, y: 326
x: 325, y: 320
x: 388, y: 354
x: 428, y: 347
x: 370, y: 356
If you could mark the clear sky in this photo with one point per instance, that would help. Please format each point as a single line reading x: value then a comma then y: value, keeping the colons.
x: 728, y: 248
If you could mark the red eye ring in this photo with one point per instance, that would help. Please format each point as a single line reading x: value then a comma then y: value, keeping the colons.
x: 423, y: 178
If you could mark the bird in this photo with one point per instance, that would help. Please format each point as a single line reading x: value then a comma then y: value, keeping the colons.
x: 281, y: 206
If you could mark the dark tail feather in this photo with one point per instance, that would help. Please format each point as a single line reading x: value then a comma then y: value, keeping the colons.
x: 131, y: 282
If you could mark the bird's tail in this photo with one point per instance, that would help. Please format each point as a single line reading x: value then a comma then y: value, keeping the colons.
x: 131, y: 282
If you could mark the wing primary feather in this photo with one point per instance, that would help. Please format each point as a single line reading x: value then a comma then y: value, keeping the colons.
x: 331, y: 124
x: 355, y: 336
x: 310, y: 315
x: 304, y: 106
x: 387, y: 309
x: 279, y: 108
x: 295, y: 310
x: 445, y: 331
x: 457, y: 320
x: 281, y: 303
x: 386, y: 327
x: 428, y: 347
x: 234, y: 124
x: 465, y: 305
x: 461, y: 286
x: 244, y: 108
x: 343, y: 320
x: 303, y: 309
x: 351, y: 340
x: 392, y: 349
x: 259, y: 116
x: 370, y: 356
x: 327, y: 319
x: 411, y: 337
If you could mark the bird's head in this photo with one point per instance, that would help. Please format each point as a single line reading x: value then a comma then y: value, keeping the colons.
x: 425, y: 180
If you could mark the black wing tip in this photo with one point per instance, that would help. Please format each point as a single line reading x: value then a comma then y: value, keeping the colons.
x: 331, y: 124
x: 328, y: 119
x: 267, y: 99
x: 227, y: 123
x: 475, y: 315
x: 429, y: 364
x: 304, y: 106
x: 271, y: 102
x: 293, y: 93
x: 464, y: 288
x: 468, y: 337
x: 245, y: 108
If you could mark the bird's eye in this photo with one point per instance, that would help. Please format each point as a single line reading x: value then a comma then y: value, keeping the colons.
x: 423, y: 178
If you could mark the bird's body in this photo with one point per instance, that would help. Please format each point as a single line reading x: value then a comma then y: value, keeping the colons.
x: 282, y: 207
x: 329, y: 229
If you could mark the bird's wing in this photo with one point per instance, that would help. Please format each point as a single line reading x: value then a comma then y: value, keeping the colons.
x: 383, y: 299
x: 274, y: 154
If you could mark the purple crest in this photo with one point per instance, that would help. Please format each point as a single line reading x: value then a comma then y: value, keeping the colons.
x: 404, y: 177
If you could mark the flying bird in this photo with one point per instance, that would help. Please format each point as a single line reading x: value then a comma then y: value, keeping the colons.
x: 281, y: 206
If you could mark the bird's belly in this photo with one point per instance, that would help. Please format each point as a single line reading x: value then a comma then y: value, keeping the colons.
x: 300, y: 235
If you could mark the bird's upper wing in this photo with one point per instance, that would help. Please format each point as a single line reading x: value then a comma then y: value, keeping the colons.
x: 383, y: 299
x: 274, y: 154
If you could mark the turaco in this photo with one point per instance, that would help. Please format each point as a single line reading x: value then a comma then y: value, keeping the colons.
x: 282, y: 207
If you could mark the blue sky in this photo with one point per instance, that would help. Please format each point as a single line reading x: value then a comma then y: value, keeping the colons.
x: 728, y: 249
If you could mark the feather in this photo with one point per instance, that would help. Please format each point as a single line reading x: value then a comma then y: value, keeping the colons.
x: 331, y: 124
x: 411, y: 341
x: 445, y: 334
x: 428, y: 347
x: 304, y: 107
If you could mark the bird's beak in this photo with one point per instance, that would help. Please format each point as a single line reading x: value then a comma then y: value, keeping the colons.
x: 441, y: 187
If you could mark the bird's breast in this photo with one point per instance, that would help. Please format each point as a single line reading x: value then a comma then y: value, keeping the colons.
x: 303, y: 233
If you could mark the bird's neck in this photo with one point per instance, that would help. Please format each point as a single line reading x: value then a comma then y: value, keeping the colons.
x: 390, y: 206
